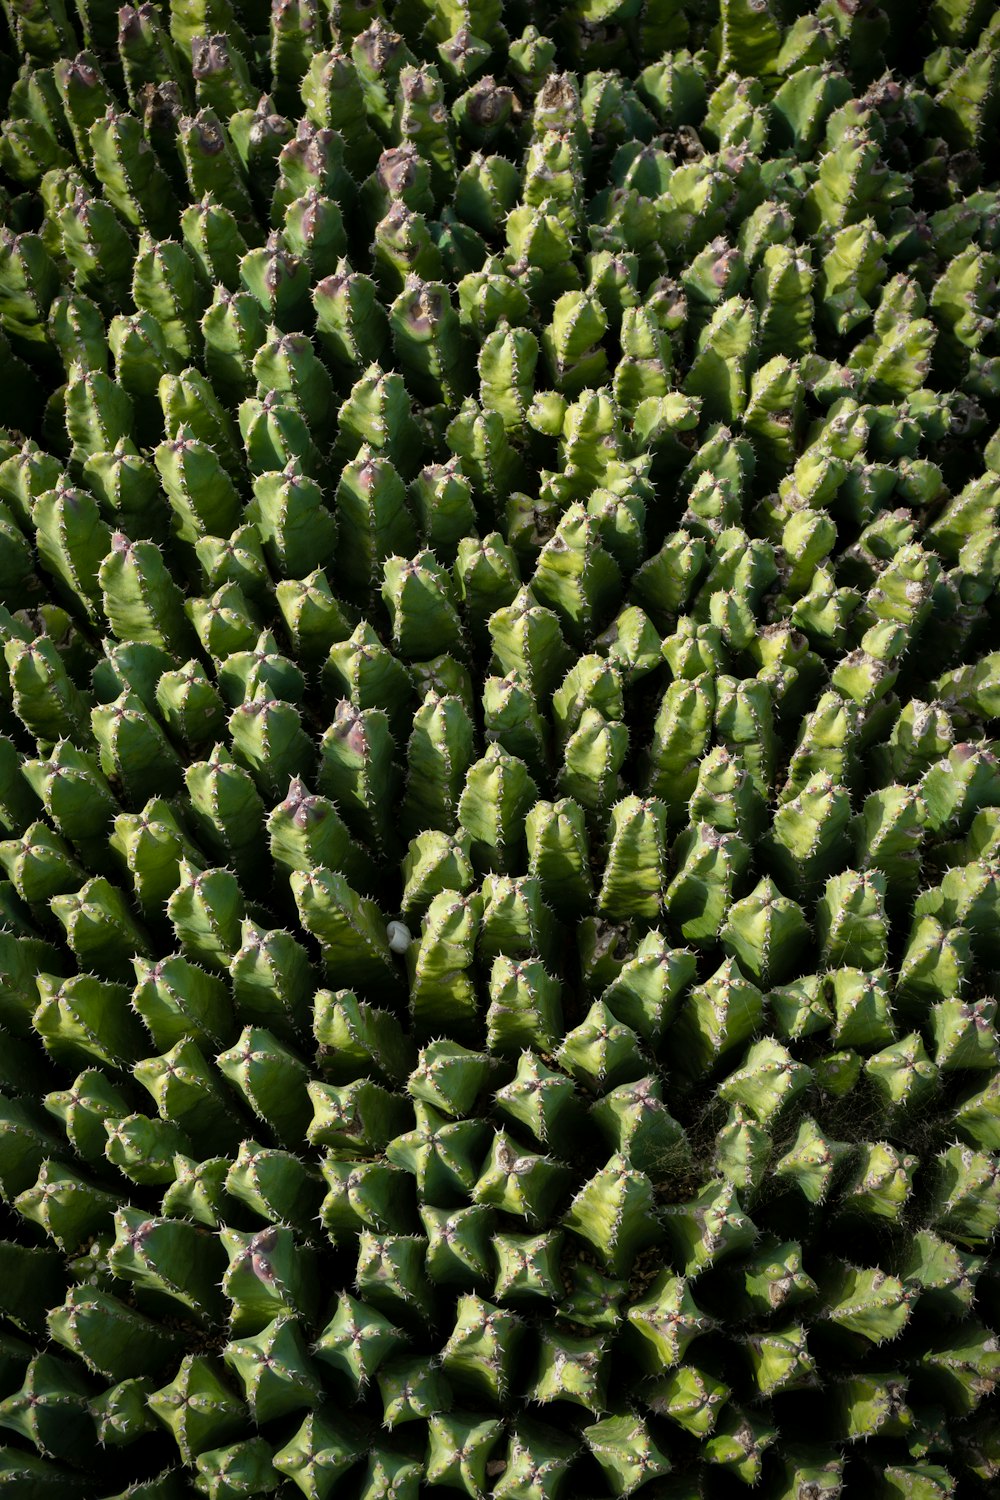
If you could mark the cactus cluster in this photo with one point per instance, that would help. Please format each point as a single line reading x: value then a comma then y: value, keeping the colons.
x: 500, y: 850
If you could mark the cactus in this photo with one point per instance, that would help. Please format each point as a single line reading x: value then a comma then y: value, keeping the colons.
x: 197, y: 1407
x: 65, y: 1206
x: 104, y: 1333
x: 500, y: 522
x: 50, y: 1408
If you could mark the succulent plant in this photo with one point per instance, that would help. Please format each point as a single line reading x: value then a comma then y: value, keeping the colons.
x: 499, y: 812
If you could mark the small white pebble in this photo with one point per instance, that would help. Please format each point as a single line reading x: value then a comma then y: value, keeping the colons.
x: 399, y: 936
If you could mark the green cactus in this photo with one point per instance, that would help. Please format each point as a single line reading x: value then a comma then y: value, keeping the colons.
x: 256, y: 1065
x: 50, y: 1408
x: 176, y: 1260
x: 62, y: 1204
x: 197, y: 1407
x: 479, y: 502
x: 196, y: 1191
x: 176, y: 998
x: 40, y: 864
x: 262, y: 672
x: 108, y: 1335
x: 83, y: 1018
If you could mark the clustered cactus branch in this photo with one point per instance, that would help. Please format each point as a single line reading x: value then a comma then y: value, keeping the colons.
x: 499, y: 818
